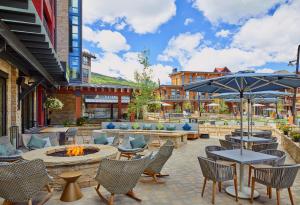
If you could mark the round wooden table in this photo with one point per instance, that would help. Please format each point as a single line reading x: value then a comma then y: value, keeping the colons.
x: 71, y: 191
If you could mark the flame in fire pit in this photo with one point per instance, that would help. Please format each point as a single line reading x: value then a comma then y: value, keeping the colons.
x: 75, y: 151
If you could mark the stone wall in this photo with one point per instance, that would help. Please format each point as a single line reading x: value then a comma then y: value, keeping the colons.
x: 13, y: 116
x: 293, y: 148
x: 68, y: 112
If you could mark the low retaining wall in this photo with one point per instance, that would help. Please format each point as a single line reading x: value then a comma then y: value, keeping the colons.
x: 293, y: 148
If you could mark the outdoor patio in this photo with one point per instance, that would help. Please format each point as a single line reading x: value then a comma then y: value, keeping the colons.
x: 184, y: 184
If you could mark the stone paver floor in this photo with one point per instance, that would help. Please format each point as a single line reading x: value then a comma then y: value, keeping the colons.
x: 183, y: 186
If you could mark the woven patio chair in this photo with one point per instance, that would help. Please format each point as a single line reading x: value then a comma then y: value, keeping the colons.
x: 274, y: 163
x: 13, y: 154
x: 209, y: 149
x: 228, y: 138
x: 229, y: 144
x: 158, y: 160
x: 70, y: 136
x: 120, y: 177
x: 112, y: 140
x: 218, y: 173
x: 264, y: 146
x: 279, y: 178
x: 21, y: 181
x: 125, y: 148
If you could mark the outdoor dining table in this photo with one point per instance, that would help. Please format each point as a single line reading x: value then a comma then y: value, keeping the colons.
x: 247, y: 157
x: 61, y: 130
x: 250, y: 140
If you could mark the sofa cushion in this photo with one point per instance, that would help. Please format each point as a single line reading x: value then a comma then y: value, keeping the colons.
x: 138, y: 142
x: 124, y: 126
x: 135, y: 126
x: 110, y: 126
x: 160, y: 126
x: 171, y: 127
x: 36, y: 143
x: 3, y: 150
x: 186, y: 127
x: 48, y: 142
x: 102, y: 139
x: 147, y: 127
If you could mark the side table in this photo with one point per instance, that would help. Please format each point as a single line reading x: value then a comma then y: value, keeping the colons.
x: 71, y: 191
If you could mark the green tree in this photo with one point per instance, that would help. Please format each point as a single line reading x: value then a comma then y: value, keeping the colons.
x: 146, y: 86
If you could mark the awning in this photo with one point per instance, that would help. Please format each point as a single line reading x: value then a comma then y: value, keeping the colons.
x: 106, y: 99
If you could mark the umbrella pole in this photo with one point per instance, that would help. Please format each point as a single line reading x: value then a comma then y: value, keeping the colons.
x: 251, y: 107
x: 241, y: 124
x: 248, y: 118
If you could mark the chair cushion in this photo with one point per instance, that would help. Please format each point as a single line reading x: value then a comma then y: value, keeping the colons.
x: 101, y: 140
x: 135, y: 126
x: 110, y: 126
x: 160, y: 126
x: 36, y: 143
x: 147, y: 127
x: 124, y: 127
x: 138, y: 142
x: 186, y: 127
x: 171, y: 127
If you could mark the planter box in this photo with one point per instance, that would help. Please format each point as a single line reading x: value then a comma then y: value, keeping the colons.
x: 291, y: 147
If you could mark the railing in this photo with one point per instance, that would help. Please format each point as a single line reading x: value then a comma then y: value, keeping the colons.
x: 182, y: 98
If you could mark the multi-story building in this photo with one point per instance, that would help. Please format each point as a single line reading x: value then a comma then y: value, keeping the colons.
x: 86, y: 66
x: 175, y: 95
x: 29, y: 64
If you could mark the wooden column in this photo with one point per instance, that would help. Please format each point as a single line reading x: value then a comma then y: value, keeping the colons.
x: 40, y: 107
x: 78, y: 107
x: 119, y: 107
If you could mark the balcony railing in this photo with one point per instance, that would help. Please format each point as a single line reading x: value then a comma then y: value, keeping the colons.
x: 181, y: 98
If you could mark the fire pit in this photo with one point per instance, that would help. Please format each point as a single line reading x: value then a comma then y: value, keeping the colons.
x: 84, y: 158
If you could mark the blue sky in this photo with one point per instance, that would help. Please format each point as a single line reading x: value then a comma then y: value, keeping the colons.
x: 196, y: 35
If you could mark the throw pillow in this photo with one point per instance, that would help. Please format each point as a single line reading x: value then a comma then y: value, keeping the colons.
x: 3, y: 151
x: 36, y: 143
x: 186, y: 127
x: 160, y: 127
x: 138, y: 142
x: 171, y: 127
x: 110, y: 126
x: 147, y: 127
x: 135, y: 126
x: 48, y: 142
x: 101, y: 140
x: 124, y: 127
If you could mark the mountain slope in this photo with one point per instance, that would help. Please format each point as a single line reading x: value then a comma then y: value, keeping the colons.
x: 97, y: 78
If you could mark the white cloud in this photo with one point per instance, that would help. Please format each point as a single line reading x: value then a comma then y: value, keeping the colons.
x: 233, y: 11
x: 141, y: 16
x: 110, y: 41
x: 264, y: 70
x: 181, y: 47
x: 223, y: 33
x: 276, y: 35
x: 188, y: 21
x: 125, y: 65
x: 233, y: 58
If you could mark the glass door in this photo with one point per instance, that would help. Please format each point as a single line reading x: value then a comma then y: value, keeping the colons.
x: 2, y: 107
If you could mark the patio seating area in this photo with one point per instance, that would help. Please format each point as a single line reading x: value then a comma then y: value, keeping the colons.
x: 184, y: 183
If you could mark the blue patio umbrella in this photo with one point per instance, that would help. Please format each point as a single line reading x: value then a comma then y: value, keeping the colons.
x: 242, y: 83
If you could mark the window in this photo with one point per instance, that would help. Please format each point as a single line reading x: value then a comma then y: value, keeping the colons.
x: 85, y: 60
x: 187, y: 94
x: 191, y: 78
x: 2, y: 106
x: 200, y: 78
x: 182, y: 80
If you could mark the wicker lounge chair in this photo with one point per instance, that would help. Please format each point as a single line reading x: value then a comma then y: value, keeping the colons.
x: 20, y: 182
x: 278, y: 162
x: 113, y: 141
x: 281, y: 177
x: 13, y: 154
x: 158, y: 161
x: 126, y: 149
x: 70, y: 136
x: 229, y: 144
x: 264, y: 146
x: 217, y: 173
x: 120, y: 176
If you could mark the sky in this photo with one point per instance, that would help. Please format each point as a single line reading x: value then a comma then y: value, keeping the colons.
x: 191, y: 35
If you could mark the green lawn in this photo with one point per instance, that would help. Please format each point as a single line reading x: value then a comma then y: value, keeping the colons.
x: 103, y: 79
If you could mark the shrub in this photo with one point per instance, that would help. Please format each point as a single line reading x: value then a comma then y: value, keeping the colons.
x: 80, y: 121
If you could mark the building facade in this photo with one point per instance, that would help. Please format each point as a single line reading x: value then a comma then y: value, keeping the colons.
x: 28, y: 62
x: 86, y: 66
x: 175, y: 95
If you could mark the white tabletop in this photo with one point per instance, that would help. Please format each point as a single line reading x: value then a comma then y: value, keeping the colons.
x: 251, y: 139
x: 248, y: 156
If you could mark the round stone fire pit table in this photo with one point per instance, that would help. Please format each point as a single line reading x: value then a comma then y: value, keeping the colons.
x: 87, y: 164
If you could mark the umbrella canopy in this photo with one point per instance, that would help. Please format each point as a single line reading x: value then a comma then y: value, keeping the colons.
x: 256, y: 100
x: 252, y: 95
x: 213, y: 105
x: 258, y: 105
x: 160, y: 103
x: 245, y: 82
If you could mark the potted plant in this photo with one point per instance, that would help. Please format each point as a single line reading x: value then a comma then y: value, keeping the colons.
x: 51, y: 104
x: 295, y: 136
x: 285, y: 129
